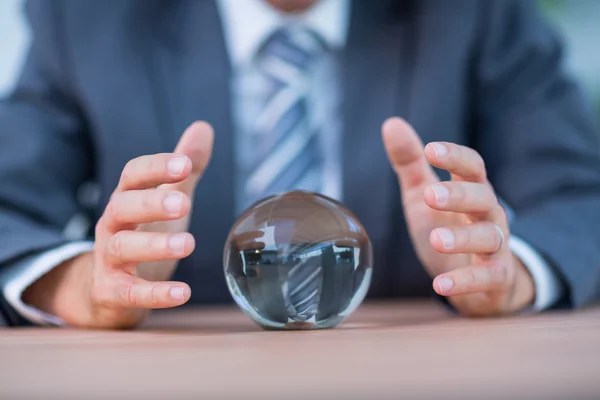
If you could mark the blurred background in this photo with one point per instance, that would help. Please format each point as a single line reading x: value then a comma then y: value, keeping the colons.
x: 577, y: 20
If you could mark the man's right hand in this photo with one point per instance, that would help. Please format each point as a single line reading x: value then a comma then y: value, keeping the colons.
x: 139, y: 240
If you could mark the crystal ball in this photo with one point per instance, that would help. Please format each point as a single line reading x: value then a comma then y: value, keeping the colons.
x: 298, y: 260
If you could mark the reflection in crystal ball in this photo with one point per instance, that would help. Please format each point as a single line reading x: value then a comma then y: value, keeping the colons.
x: 298, y: 260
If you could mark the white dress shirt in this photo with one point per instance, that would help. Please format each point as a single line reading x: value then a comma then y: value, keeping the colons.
x: 246, y: 25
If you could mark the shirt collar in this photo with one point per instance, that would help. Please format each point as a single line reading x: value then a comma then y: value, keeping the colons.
x: 248, y: 23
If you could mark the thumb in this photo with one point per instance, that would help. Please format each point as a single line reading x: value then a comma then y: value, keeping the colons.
x: 406, y: 154
x: 196, y: 143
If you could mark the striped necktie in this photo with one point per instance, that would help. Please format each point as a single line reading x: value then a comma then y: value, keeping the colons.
x: 287, y: 153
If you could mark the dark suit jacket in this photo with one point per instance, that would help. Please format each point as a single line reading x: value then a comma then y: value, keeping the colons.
x: 106, y: 81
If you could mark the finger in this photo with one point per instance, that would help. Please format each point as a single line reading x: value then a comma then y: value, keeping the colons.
x: 478, y: 238
x: 464, y: 197
x: 149, y: 171
x: 141, y: 206
x: 460, y: 161
x: 134, y: 247
x: 197, y: 144
x: 405, y: 152
x: 134, y: 292
x: 472, y: 279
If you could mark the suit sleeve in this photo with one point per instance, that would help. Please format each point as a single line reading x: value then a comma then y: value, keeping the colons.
x: 44, y: 152
x: 541, y: 146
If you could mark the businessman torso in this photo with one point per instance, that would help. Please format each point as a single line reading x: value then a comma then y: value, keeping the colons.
x: 105, y: 82
x: 143, y: 71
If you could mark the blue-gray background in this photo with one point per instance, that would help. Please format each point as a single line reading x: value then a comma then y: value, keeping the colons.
x: 578, y: 20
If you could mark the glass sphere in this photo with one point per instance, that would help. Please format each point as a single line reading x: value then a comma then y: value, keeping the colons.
x: 298, y: 260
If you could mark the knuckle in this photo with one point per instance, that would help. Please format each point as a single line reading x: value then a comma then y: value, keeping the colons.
x: 112, y: 208
x: 475, y: 157
x: 98, y: 293
x: 456, y: 153
x: 466, y: 237
x: 126, y: 294
x: 100, y: 226
x: 479, y: 163
x: 458, y: 191
x: 490, y: 196
x: 160, y: 244
x: 128, y: 170
x: 155, y: 165
x: 154, y: 296
x: 147, y: 202
x: 475, y: 162
x: 498, y: 273
x: 125, y: 174
x: 469, y: 279
x: 114, y: 245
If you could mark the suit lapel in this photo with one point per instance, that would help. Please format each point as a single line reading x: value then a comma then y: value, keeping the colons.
x: 376, y: 82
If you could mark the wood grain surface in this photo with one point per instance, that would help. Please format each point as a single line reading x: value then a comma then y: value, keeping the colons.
x: 409, y: 350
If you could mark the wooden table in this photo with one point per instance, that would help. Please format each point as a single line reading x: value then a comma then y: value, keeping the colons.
x: 390, y: 350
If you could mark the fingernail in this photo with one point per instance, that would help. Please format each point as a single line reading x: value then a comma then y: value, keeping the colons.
x: 440, y: 150
x: 445, y: 284
x: 441, y: 194
x: 177, y: 244
x: 176, y: 165
x: 176, y: 293
x: 447, y: 237
x: 172, y: 203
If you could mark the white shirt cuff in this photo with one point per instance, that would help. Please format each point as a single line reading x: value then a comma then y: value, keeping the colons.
x: 18, y: 277
x: 548, y: 288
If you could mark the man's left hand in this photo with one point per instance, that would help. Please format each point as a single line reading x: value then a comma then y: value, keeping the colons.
x: 459, y: 229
